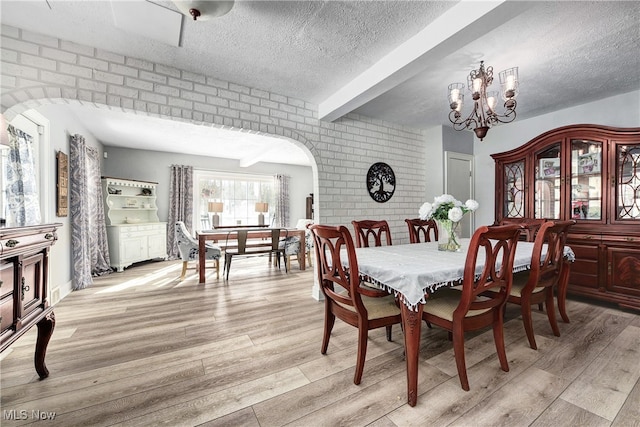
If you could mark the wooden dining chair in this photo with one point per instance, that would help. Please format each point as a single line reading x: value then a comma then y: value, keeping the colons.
x: 344, y: 297
x: 241, y: 248
x: 468, y: 309
x: 371, y: 232
x: 538, y: 284
x: 422, y: 230
x: 530, y: 226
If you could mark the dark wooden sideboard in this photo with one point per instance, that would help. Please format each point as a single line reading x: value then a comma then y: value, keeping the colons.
x: 24, y: 277
x: 591, y: 174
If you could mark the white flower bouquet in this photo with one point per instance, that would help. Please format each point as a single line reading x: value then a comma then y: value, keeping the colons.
x: 447, y: 211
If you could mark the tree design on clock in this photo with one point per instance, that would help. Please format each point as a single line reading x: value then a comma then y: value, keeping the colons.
x: 381, y: 182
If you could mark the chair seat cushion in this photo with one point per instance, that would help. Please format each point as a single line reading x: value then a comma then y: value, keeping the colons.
x: 443, y: 303
x: 520, y: 280
x: 377, y: 307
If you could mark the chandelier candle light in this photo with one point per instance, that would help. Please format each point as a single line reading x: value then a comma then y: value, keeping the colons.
x: 447, y: 212
x: 484, y: 114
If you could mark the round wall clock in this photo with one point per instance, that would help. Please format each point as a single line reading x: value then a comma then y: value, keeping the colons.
x: 381, y: 182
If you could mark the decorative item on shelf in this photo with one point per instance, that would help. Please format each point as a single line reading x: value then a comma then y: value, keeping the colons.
x: 215, y: 208
x: 146, y: 192
x: 381, y: 182
x: 484, y: 114
x: 447, y: 212
x: 132, y: 220
x: 203, y: 10
x: 261, y: 208
x: 131, y: 203
x: 112, y: 190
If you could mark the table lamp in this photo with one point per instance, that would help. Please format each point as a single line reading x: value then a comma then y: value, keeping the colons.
x: 215, y: 207
x: 261, y: 207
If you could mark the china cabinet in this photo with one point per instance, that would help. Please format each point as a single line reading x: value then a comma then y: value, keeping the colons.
x: 134, y: 232
x: 24, y: 291
x: 591, y: 174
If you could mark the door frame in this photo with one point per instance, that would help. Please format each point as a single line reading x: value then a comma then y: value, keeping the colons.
x: 451, y: 155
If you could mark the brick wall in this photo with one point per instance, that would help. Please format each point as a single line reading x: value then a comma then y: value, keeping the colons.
x: 39, y: 70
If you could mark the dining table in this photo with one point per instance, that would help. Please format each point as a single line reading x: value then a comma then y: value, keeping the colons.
x: 413, y: 272
x: 258, y: 235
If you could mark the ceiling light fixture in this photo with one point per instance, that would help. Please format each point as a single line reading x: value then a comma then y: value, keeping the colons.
x: 203, y: 10
x: 484, y: 113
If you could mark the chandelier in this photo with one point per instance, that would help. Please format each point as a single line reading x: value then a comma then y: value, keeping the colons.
x: 484, y: 114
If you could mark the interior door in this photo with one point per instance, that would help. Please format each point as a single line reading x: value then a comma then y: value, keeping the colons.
x: 458, y: 182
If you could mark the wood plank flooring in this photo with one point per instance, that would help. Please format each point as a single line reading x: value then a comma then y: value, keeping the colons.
x: 140, y: 348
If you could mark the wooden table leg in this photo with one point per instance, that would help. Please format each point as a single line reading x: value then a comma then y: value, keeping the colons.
x: 302, y: 256
x: 412, y: 324
x: 201, y: 258
x: 45, y: 330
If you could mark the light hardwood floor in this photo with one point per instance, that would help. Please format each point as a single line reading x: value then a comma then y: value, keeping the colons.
x: 141, y: 348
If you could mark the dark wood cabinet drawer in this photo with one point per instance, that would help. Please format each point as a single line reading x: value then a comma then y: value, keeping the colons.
x: 7, y: 272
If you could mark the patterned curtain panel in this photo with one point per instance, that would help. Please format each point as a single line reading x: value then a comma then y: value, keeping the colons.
x: 180, y: 204
x: 282, y: 201
x: 21, y: 192
x: 89, y: 247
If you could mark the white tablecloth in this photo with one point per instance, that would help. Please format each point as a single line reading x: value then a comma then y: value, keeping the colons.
x: 415, y: 269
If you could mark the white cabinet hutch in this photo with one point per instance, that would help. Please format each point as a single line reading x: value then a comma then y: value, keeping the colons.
x: 134, y: 231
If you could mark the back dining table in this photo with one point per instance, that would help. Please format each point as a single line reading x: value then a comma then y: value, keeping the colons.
x: 412, y: 272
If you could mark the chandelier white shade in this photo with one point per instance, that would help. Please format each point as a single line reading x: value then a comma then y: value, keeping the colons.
x: 484, y: 113
x: 203, y: 10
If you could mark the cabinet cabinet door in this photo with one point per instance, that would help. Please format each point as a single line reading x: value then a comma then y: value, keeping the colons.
x: 157, y: 246
x: 31, y: 283
x: 627, y: 182
x: 514, y: 190
x: 623, y: 268
x: 587, y: 170
x: 133, y: 249
x: 7, y: 271
x: 547, y: 192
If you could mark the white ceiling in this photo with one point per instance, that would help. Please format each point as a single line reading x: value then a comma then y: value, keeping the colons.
x: 390, y: 60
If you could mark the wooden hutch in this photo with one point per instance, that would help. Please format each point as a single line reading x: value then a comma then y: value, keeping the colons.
x: 591, y: 174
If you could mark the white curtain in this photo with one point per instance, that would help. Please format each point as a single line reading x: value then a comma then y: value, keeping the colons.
x: 89, y: 247
x: 21, y: 191
x: 180, y: 204
x: 282, y: 201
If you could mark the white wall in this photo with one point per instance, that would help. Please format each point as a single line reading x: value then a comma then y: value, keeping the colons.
x: 619, y: 111
x: 154, y: 166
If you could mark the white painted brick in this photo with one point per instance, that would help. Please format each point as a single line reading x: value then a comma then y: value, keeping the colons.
x: 166, y: 90
x: 235, y: 96
x: 165, y: 111
x: 295, y: 118
x: 76, y: 70
x: 208, y: 90
x: 138, y: 84
x: 259, y: 110
x: 9, y: 31
x: 217, y: 83
x: 177, y: 102
x: 278, y: 114
x: 270, y: 104
x: 153, y: 97
x: 153, y: 108
x: 9, y: 56
x: 9, y: 69
x: 193, y: 96
x: 152, y: 77
x: 249, y: 116
x: 100, y: 98
x: 139, y: 106
x: 123, y: 69
x: 239, y: 88
x: 92, y: 85
x: 7, y: 82
x: 19, y: 45
x: 123, y: 91
x: 77, y: 48
x: 220, y: 102
x: 169, y: 71
x: 192, y: 77
x: 69, y: 93
x: 278, y: 98
x: 109, y: 56
x: 295, y: 102
x: 180, y: 83
x: 52, y: 92
x: 127, y: 103
x: 268, y: 120
x: 206, y: 108
x: 37, y: 62
x: 85, y: 95
x: 259, y: 93
x: 113, y: 100
x: 287, y: 108
x: 58, y: 55
x: 108, y: 77
x: 249, y: 99
x: 226, y: 112
x: 198, y: 116
x: 139, y: 63
x: 240, y: 106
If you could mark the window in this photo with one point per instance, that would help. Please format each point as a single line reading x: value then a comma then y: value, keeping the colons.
x: 238, y: 194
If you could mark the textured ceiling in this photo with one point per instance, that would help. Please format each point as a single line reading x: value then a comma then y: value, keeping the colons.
x: 568, y: 52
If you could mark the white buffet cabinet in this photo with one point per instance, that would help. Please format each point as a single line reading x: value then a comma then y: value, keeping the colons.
x: 134, y: 232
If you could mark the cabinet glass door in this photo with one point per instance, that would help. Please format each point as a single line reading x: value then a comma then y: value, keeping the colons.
x: 628, y: 181
x: 547, y: 185
x: 586, y: 179
x: 514, y: 190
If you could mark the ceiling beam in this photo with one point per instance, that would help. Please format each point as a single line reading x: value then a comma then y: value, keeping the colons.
x: 454, y: 29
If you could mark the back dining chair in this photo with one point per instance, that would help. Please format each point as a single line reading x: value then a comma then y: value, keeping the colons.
x: 468, y: 308
x: 422, y: 230
x: 344, y: 296
x: 372, y: 233
x: 538, y: 284
x: 236, y: 245
x: 188, y: 249
x: 530, y: 226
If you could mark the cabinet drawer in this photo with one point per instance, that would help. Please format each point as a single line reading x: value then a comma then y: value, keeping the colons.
x: 6, y: 311
x: 11, y: 245
x: 7, y: 270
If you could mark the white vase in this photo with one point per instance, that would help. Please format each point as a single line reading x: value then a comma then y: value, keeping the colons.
x: 448, y: 236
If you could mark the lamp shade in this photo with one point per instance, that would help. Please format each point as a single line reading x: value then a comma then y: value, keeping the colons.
x: 203, y: 10
x: 215, y: 207
x: 262, y: 207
